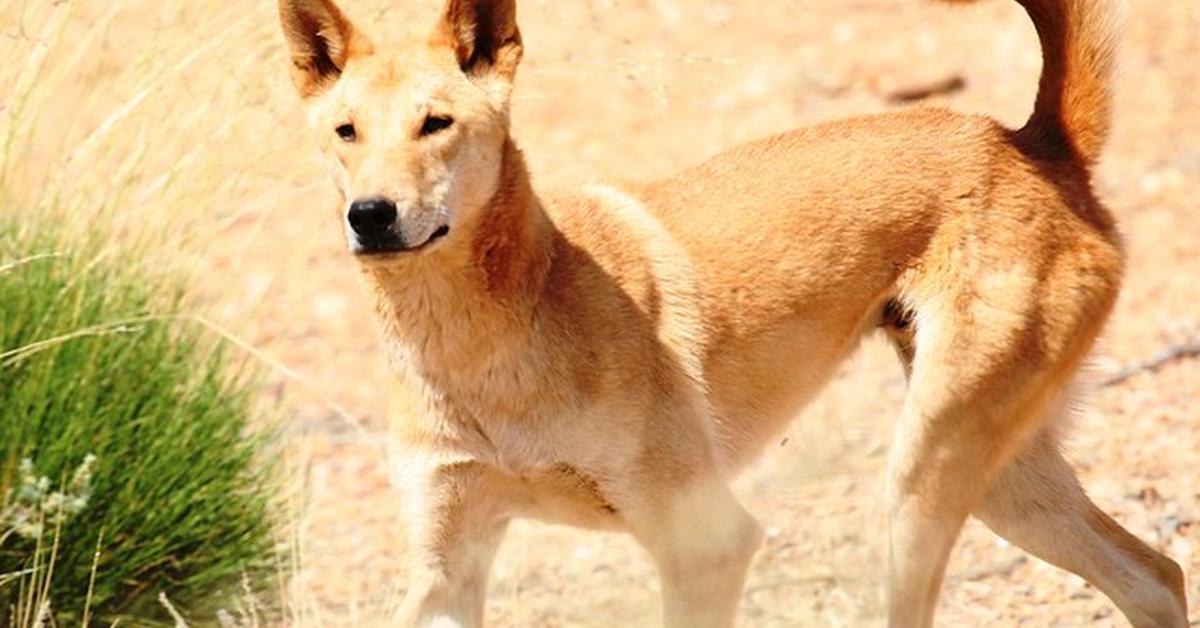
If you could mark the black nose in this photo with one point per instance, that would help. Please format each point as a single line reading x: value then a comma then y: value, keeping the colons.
x: 372, y: 217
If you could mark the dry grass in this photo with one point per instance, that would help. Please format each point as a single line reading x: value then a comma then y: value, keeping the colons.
x: 178, y: 119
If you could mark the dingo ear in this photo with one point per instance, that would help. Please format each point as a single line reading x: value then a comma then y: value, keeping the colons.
x: 321, y: 40
x: 483, y: 35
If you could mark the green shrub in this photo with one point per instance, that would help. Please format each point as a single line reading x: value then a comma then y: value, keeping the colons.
x: 124, y: 426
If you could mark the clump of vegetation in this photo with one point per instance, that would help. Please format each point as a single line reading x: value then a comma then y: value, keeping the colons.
x: 130, y: 466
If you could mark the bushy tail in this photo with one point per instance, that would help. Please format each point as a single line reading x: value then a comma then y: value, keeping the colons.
x: 1074, y: 102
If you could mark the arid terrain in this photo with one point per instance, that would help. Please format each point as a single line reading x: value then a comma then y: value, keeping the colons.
x: 182, y: 117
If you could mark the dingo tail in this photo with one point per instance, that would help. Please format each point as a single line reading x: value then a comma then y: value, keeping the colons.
x: 1072, y: 114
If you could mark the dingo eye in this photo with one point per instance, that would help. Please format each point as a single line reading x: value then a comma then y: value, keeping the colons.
x: 433, y: 124
x: 347, y: 132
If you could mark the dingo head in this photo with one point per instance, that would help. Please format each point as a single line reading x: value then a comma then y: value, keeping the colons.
x: 415, y: 135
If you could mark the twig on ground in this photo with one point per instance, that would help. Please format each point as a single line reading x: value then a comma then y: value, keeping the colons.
x: 823, y: 577
x: 1171, y: 353
x: 980, y: 573
x: 920, y: 91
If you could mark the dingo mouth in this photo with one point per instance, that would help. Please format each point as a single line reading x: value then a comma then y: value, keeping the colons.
x: 394, y: 244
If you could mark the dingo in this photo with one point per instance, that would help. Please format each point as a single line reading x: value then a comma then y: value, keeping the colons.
x: 608, y: 358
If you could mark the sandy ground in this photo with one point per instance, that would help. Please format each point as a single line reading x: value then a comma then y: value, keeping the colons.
x: 637, y: 88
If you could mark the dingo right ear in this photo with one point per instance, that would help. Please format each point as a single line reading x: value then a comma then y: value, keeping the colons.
x: 321, y: 40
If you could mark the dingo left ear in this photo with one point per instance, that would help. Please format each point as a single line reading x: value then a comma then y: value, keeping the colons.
x: 321, y: 40
x: 483, y: 35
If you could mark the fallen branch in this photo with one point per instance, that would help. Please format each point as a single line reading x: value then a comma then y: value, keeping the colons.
x: 1153, y: 363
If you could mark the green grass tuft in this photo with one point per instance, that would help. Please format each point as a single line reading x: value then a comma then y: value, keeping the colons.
x: 96, y: 360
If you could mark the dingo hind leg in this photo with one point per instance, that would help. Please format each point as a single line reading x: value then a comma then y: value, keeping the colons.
x: 993, y: 343
x: 1037, y: 503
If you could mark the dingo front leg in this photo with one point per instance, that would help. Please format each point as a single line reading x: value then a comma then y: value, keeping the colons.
x: 702, y: 541
x: 457, y: 518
